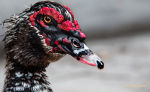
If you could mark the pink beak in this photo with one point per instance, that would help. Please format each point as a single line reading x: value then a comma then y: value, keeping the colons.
x: 92, y: 60
x: 89, y: 57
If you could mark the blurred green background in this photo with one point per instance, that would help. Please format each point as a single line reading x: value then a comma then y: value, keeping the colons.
x: 117, y: 30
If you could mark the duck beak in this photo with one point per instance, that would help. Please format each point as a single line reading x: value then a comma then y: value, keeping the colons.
x: 92, y: 60
x: 81, y: 52
x: 85, y: 55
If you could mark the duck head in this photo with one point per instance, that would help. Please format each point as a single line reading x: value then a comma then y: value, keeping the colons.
x: 61, y: 33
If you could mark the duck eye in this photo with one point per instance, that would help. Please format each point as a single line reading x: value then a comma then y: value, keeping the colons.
x: 75, y: 43
x: 47, y: 19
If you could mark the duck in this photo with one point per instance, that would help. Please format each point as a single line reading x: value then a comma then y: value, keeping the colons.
x: 38, y: 36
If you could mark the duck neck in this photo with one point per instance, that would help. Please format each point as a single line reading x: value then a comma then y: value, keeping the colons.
x: 25, y: 79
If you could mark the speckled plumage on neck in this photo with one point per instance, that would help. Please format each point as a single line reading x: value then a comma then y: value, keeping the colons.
x: 26, y: 64
x: 20, y: 79
x: 27, y: 57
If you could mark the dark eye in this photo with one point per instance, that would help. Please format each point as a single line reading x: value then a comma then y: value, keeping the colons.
x: 47, y: 19
x: 75, y: 43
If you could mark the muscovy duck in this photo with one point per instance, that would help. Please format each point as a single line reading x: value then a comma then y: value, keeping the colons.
x: 39, y: 35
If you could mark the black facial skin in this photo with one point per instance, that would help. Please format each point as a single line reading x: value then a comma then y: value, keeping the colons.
x: 56, y: 34
x: 51, y: 27
x: 75, y: 44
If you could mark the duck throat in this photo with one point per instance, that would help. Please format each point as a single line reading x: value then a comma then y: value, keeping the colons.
x: 26, y: 61
x: 25, y: 79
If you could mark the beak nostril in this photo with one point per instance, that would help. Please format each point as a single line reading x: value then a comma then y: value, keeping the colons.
x: 100, y: 64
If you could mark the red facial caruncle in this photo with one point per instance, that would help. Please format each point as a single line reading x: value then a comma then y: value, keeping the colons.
x: 64, y: 25
x: 47, y: 11
x: 69, y: 26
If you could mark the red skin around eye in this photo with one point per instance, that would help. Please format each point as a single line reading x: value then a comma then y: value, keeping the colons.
x: 47, y: 11
x: 43, y: 24
x: 53, y: 13
x: 66, y: 25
